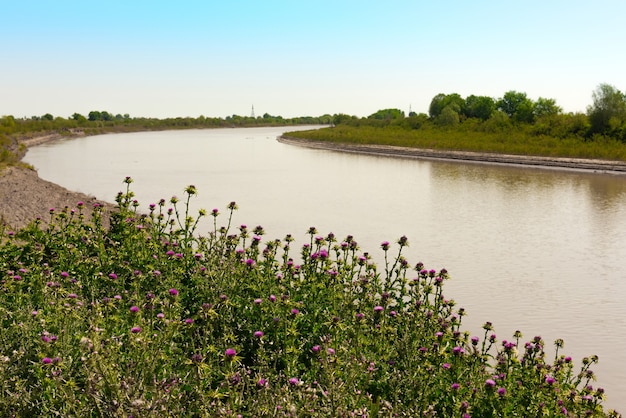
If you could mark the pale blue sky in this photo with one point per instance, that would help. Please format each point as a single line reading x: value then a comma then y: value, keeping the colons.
x: 299, y: 57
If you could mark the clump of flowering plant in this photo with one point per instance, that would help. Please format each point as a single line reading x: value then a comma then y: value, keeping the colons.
x: 163, y: 320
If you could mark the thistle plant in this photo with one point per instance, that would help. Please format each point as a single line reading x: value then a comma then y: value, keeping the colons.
x: 152, y: 317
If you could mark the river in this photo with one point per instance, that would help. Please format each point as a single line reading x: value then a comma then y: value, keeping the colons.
x: 542, y: 251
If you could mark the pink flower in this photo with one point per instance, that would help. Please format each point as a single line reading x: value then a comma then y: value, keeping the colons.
x: 173, y: 292
x: 230, y: 352
x: 135, y: 330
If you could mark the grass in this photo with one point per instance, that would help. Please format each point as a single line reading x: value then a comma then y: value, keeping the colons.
x: 148, y: 318
x: 506, y: 141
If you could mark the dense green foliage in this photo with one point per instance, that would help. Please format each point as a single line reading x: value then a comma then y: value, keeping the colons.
x: 147, y: 318
x: 513, y: 124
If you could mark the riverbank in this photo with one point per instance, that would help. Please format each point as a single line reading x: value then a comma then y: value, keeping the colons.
x: 597, y: 166
x: 24, y: 196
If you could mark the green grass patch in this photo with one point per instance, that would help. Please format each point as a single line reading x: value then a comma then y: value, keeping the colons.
x: 517, y: 141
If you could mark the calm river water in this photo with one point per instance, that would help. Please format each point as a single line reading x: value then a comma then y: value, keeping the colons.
x: 538, y: 250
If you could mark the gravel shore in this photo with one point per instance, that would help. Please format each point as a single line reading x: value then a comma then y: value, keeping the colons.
x: 599, y: 166
x: 25, y: 197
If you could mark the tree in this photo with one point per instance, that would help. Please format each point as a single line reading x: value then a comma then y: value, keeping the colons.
x: 436, y: 105
x: 341, y: 118
x: 47, y: 116
x: 441, y: 101
x: 448, y: 117
x: 517, y: 106
x: 94, y: 115
x: 481, y: 107
x: 78, y: 117
x: 546, y: 107
x: 608, y: 111
x: 387, y: 114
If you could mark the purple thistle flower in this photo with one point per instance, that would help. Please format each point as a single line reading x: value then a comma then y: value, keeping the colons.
x: 295, y: 312
x: 134, y: 309
x: 330, y: 351
x: 258, y: 301
x: 258, y: 334
x: 316, y: 348
x: 359, y: 316
x: 173, y: 292
x: 135, y: 330
x: 72, y: 296
x: 261, y: 383
x: 230, y: 352
x: 446, y: 366
x: 160, y: 315
x: 550, y: 380
x: 112, y: 276
x: 501, y: 391
x: 189, y: 321
x: 46, y: 360
x: 490, y: 383
x: 455, y: 386
x: 378, y: 309
x: 458, y: 351
x: 294, y: 381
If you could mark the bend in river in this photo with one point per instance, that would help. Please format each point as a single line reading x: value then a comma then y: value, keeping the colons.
x: 541, y: 251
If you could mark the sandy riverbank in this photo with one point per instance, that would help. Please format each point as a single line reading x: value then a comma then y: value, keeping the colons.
x: 599, y: 166
x: 25, y: 197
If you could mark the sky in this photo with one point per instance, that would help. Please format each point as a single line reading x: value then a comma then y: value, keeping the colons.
x: 300, y: 58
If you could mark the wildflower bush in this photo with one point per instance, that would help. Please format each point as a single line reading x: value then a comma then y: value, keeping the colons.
x: 147, y: 317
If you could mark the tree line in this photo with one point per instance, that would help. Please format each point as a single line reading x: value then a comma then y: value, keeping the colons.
x: 604, y: 118
x: 104, y: 121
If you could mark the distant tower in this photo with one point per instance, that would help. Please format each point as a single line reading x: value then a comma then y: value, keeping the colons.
x: 252, y: 113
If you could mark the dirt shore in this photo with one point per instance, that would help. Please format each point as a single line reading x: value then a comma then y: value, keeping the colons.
x: 25, y: 197
x: 598, y: 166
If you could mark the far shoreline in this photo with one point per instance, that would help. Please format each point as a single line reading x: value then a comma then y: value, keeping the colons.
x: 558, y: 163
